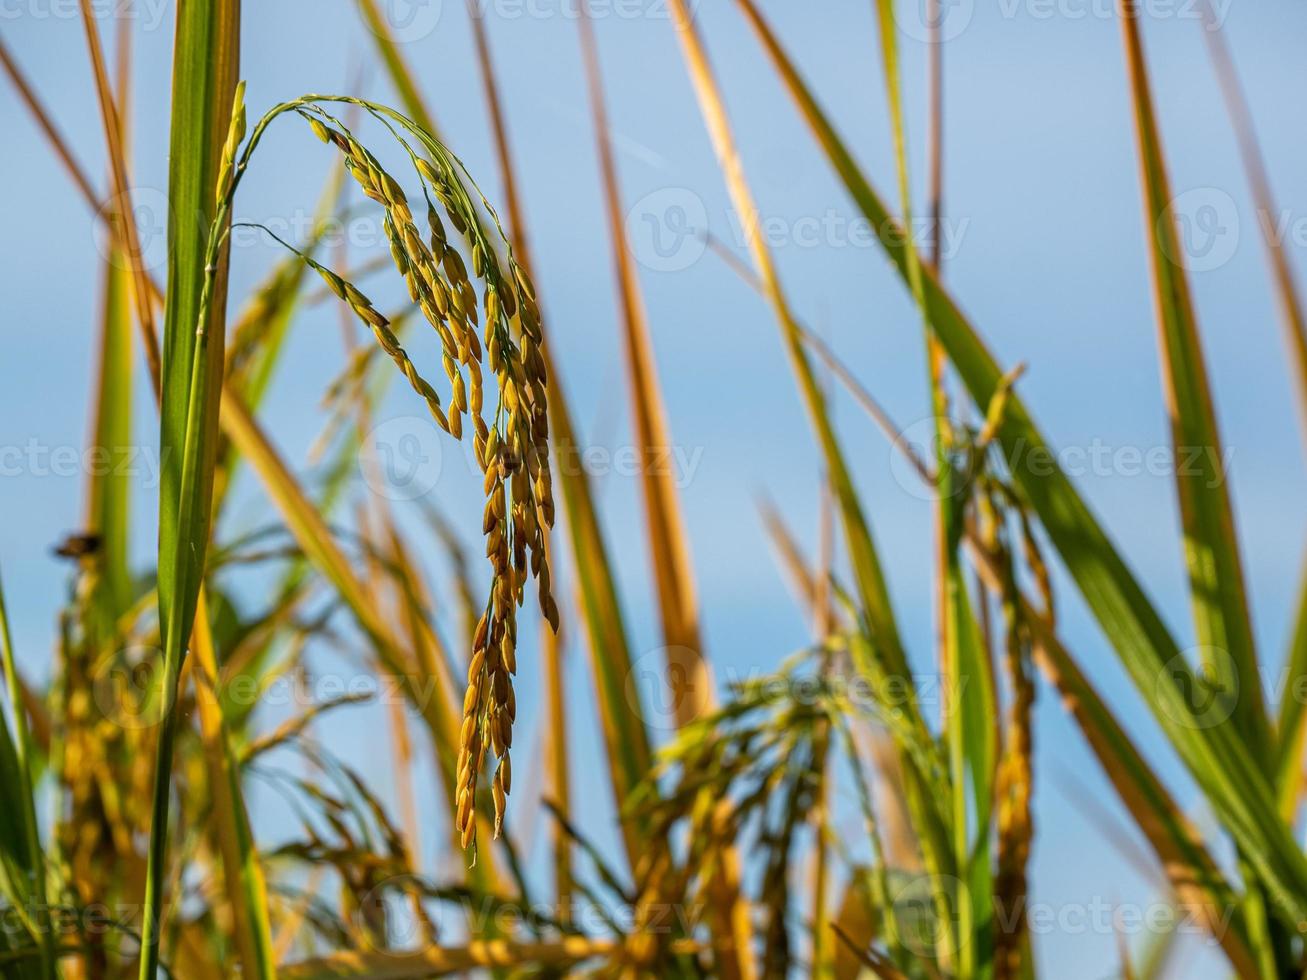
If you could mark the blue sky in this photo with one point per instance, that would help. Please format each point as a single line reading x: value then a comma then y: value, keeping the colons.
x: 1049, y: 261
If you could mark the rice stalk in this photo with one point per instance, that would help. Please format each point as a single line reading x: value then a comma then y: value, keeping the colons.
x: 966, y: 713
x: 888, y: 659
x: 689, y: 678
x: 687, y: 670
x: 1220, y: 762
x: 242, y: 874
x: 1191, y: 871
x: 208, y: 120
x: 512, y: 453
x: 622, y: 716
x: 551, y: 640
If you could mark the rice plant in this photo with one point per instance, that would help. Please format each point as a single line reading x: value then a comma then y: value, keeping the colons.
x: 128, y: 840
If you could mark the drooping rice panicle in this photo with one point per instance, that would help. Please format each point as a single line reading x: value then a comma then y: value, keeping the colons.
x: 512, y: 449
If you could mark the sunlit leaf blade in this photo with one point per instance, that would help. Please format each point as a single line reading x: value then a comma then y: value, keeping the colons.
x: 109, y: 490
x: 669, y: 550
x: 1289, y: 728
x: 1241, y: 118
x: 866, y: 563
x: 130, y: 241
x: 243, y: 876
x: 207, y: 46
x: 882, y: 660
x: 1216, y: 582
x: 204, y: 82
x: 22, y: 861
x: 1293, y: 700
x: 1211, y: 549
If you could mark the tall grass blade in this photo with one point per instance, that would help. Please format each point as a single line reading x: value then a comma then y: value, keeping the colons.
x: 1241, y: 118
x: 1216, y: 581
x: 862, y: 551
x: 206, y: 59
x: 242, y: 873
x: 109, y: 490
x: 1289, y: 728
x: 969, y: 704
x: 1197, y: 879
x: 122, y: 197
x: 1211, y: 549
x: 669, y: 548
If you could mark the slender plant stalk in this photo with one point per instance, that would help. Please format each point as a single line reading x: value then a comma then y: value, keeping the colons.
x: 689, y: 678
x: 970, y: 701
x: 669, y: 550
x: 1282, y: 276
x: 113, y: 132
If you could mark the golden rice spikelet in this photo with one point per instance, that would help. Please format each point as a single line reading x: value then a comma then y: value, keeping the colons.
x: 510, y: 439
